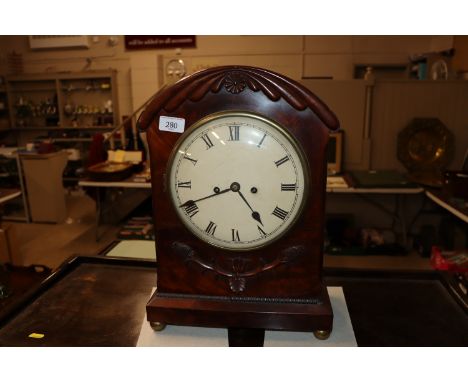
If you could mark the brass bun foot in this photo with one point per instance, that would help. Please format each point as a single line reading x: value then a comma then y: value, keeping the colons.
x: 322, y: 334
x: 157, y: 326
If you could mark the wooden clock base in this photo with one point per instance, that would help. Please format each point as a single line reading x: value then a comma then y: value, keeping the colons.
x: 246, y: 318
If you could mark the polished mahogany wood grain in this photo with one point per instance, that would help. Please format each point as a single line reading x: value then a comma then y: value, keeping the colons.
x: 235, y: 79
x: 189, y: 266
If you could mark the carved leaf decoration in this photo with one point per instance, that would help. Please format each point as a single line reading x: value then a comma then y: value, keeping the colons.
x: 183, y: 249
x: 235, y: 79
x: 238, y: 265
x: 238, y: 268
x: 289, y: 254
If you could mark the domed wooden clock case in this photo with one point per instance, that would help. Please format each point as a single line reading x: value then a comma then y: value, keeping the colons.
x: 238, y: 172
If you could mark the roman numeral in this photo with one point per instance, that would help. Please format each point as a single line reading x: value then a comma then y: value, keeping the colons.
x: 288, y: 187
x: 261, y: 141
x: 281, y: 161
x: 233, y: 133
x: 211, y: 228
x: 207, y: 140
x: 194, y: 161
x: 185, y: 184
x: 235, y: 235
x: 191, y: 209
x: 280, y: 213
x: 262, y: 232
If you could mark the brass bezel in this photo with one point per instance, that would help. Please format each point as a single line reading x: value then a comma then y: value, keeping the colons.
x: 222, y: 114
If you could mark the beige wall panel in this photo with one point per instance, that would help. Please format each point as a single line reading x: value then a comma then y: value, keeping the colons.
x: 63, y: 58
x: 441, y: 43
x: 328, y: 44
x: 460, y: 60
x: 398, y: 58
x: 337, y: 66
x: 125, y: 99
x: 289, y: 65
x: 240, y: 45
x: 144, y: 59
x: 123, y: 85
x: 145, y: 75
x: 347, y: 100
x: 391, y: 44
x: 397, y: 103
x: 142, y: 91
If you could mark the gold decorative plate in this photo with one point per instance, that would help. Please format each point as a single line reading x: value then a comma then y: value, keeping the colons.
x: 425, y: 147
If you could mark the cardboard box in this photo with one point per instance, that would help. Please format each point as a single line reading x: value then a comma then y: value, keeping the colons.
x: 44, y: 185
x: 9, y: 246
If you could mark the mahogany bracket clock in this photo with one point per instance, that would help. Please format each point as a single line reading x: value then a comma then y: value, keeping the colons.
x: 238, y: 165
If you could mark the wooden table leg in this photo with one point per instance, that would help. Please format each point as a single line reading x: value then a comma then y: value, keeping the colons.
x: 241, y: 337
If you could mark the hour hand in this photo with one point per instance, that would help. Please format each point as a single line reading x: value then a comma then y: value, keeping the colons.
x: 190, y: 202
x: 187, y: 203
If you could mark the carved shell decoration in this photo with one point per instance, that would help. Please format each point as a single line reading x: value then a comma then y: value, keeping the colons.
x: 237, y: 284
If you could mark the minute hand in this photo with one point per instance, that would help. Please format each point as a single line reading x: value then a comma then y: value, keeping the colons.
x: 255, y: 214
x: 189, y: 202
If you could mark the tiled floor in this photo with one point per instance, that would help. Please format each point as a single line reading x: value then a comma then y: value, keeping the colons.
x: 51, y: 244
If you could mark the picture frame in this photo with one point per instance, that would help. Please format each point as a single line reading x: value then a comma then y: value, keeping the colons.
x: 335, y: 153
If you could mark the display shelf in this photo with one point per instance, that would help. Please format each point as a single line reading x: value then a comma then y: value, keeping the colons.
x: 88, y: 101
x: 60, y: 95
x: 82, y: 101
x: 66, y: 107
x: 27, y: 90
x: 56, y: 128
x: 87, y: 89
x: 83, y: 128
x: 58, y: 140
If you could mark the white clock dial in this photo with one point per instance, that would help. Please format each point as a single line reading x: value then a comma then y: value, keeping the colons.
x: 237, y: 180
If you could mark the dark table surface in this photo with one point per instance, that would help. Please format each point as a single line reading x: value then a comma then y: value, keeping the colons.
x: 456, y: 206
x: 8, y: 193
x: 98, y: 301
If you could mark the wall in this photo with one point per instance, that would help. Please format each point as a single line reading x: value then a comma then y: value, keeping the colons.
x: 393, y: 105
x: 460, y: 61
x: 396, y: 103
x: 304, y: 58
x: 296, y: 56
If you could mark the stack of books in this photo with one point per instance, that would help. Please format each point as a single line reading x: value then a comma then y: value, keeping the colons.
x: 337, y: 181
x: 143, y: 176
x: 137, y: 228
